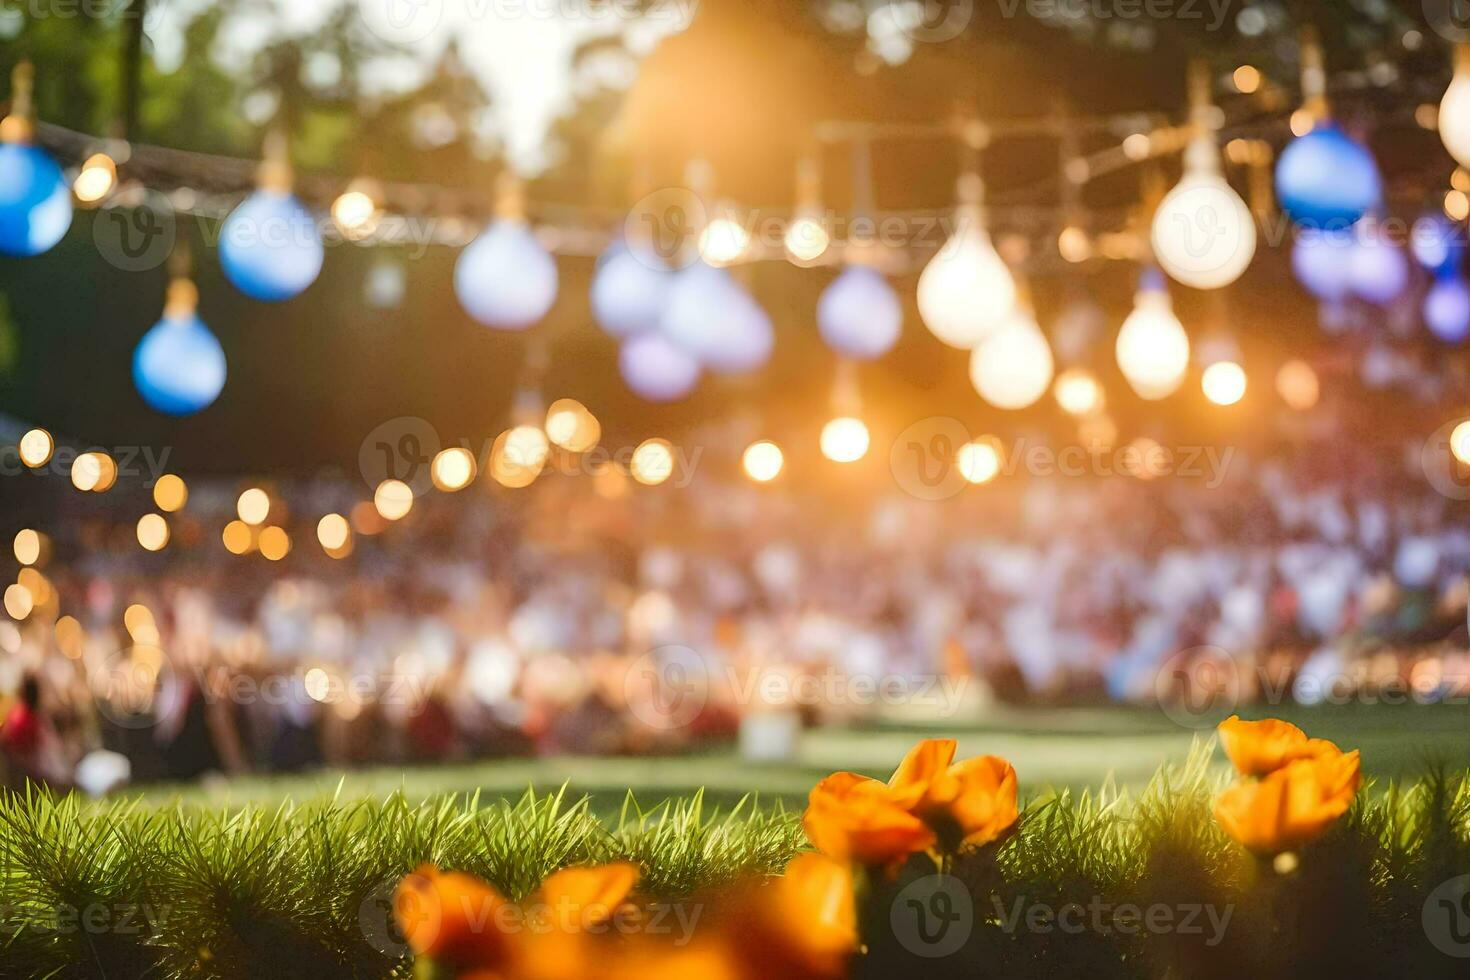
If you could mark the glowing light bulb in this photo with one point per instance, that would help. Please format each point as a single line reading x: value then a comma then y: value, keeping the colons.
x: 571, y: 426
x: 254, y: 506
x: 1012, y: 367
x: 979, y: 461
x: 1224, y: 382
x: 1454, y: 110
x: 86, y: 472
x: 723, y: 241
x: 27, y: 547
x: 153, y: 532
x: 96, y: 180
x: 36, y: 447
x: 806, y: 240
x: 526, y: 446
x: 966, y: 291
x: 1078, y: 392
x: 355, y: 211
x: 332, y: 532
x: 1203, y: 234
x: 237, y: 538
x: 170, y: 493
x: 1297, y: 385
x: 393, y: 499
x: 1152, y: 348
x: 275, y: 543
x: 18, y: 601
x: 845, y: 440
x: 1460, y: 442
x: 452, y: 469
x: 652, y: 462
x: 763, y: 461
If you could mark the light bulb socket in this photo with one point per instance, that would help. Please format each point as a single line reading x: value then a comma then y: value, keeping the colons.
x: 510, y: 197
x: 181, y: 300
x: 19, y: 126
x: 275, y: 173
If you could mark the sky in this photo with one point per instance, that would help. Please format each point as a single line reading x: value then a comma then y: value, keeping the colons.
x: 520, y: 50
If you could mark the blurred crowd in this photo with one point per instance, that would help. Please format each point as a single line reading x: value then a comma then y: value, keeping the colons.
x: 647, y: 619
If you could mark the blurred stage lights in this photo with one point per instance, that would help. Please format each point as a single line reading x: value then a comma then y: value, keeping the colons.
x: 845, y: 439
x: 36, y: 447
x: 453, y: 469
x: 393, y: 500
x: 980, y: 461
x: 153, y: 533
x: 1224, y: 383
x: 653, y: 462
x: 254, y: 506
x: 763, y: 461
x: 170, y: 493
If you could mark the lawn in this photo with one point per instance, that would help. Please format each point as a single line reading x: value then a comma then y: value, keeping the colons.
x: 1073, y: 748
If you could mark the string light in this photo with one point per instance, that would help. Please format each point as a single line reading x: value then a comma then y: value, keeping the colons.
x: 453, y: 469
x: 806, y: 240
x: 96, y: 180
x: 27, y: 547
x: 170, y: 493
x: 356, y: 212
x: 1224, y: 382
x: 86, y: 472
x: 980, y: 461
x: 18, y: 602
x: 763, y: 461
x: 1012, y: 367
x: 254, y: 506
x: 274, y: 543
x: 36, y: 447
x: 652, y: 462
x: 238, y: 538
x: 153, y: 532
x: 1152, y: 347
x: 571, y: 426
x: 393, y: 500
x: 332, y: 532
x: 1078, y: 392
x: 723, y: 241
x: 845, y: 439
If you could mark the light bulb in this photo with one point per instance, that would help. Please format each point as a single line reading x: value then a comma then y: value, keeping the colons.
x: 845, y: 440
x: 1224, y: 382
x: 393, y: 499
x: 716, y: 321
x: 966, y: 291
x: 1012, y: 367
x: 763, y: 461
x: 1078, y: 392
x: 97, y: 178
x: 652, y: 462
x: 36, y: 447
x: 571, y: 426
x: 1460, y: 442
x: 1203, y: 233
x: 806, y: 240
x: 859, y: 315
x: 723, y: 241
x: 1454, y: 110
x: 657, y: 368
x: 505, y: 278
x: 452, y: 469
x: 979, y: 461
x: 630, y: 289
x: 356, y: 212
x: 1152, y: 348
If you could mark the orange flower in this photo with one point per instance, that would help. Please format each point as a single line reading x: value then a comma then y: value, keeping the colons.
x: 567, y: 921
x: 1258, y: 748
x: 802, y: 924
x: 854, y: 818
x: 449, y: 917
x: 974, y: 800
x: 1292, y: 806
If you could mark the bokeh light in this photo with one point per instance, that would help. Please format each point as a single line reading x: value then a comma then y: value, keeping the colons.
x: 653, y: 462
x: 275, y: 543
x: 806, y: 240
x: 36, y: 447
x: 238, y: 538
x: 96, y: 179
x: 980, y: 461
x: 723, y: 241
x: 153, y: 532
x: 1224, y: 382
x: 1460, y: 442
x: 27, y: 547
x: 18, y: 601
x: 254, y: 506
x: 453, y: 469
x: 570, y: 425
x: 1297, y: 385
x: 763, y: 461
x: 1078, y: 392
x: 86, y: 472
x: 845, y: 439
x: 332, y: 531
x: 393, y: 499
x: 170, y: 493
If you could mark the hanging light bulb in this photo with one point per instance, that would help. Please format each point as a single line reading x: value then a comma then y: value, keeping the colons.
x: 1377, y: 270
x: 652, y: 462
x: 1454, y: 109
x: 1012, y: 367
x: 35, y: 203
x: 806, y: 237
x: 1078, y: 392
x: 763, y: 461
x: 1435, y: 242
x: 356, y: 212
x: 1152, y: 348
x: 966, y: 291
x: 96, y: 179
x: 1324, y: 178
x: 845, y: 439
x: 630, y: 289
x: 657, y: 368
x: 269, y: 246
x: 716, y: 321
x: 1223, y: 382
x: 505, y: 279
x: 179, y: 366
x: 723, y: 240
x: 1203, y: 234
x: 859, y: 314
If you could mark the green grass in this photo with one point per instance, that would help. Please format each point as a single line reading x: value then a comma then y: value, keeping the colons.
x: 1051, y: 749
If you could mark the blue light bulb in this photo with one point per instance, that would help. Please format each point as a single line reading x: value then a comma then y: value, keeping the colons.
x: 179, y: 366
x: 270, y: 246
x: 35, y: 203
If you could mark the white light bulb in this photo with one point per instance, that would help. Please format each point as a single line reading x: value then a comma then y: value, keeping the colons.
x: 1078, y: 392
x: 1224, y: 382
x: 1012, y: 367
x: 1203, y: 234
x: 966, y: 291
x: 1454, y: 111
x: 845, y: 440
x: 1153, y: 349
